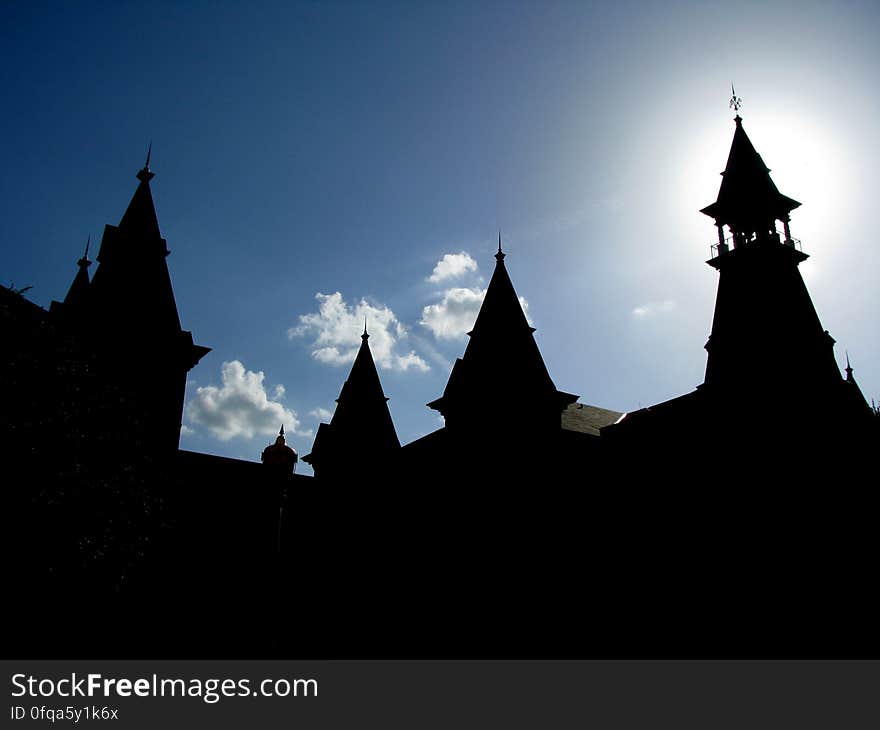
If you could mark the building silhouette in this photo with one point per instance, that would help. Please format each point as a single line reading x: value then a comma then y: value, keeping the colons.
x: 361, y: 431
x: 771, y: 377
x: 734, y: 519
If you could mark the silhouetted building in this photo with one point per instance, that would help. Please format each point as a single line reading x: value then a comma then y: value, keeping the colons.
x: 771, y: 378
x: 360, y: 436
x: 499, y: 398
x: 127, y: 318
x: 734, y: 519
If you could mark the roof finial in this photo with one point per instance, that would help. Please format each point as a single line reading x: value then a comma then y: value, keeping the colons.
x: 84, y: 261
x: 281, y: 432
x: 365, y: 336
x: 735, y: 102
x: 145, y: 175
x: 500, y: 255
x: 848, y: 369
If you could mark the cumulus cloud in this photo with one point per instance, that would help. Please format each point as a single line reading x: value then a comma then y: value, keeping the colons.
x: 336, y: 329
x: 241, y: 407
x: 454, y: 315
x: 322, y: 414
x: 652, y: 309
x: 451, y: 266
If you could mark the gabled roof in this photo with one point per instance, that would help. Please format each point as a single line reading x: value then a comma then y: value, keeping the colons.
x: 748, y: 198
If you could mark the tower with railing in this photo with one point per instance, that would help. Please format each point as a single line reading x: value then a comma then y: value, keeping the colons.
x: 766, y: 334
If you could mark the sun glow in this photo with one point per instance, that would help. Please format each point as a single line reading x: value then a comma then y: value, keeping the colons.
x: 805, y: 162
x: 807, y: 165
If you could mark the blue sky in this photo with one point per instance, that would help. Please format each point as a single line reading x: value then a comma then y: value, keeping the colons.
x: 315, y: 162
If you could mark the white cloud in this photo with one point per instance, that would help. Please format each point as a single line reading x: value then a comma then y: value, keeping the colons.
x: 322, y: 414
x: 653, y: 308
x: 241, y: 407
x: 454, y: 315
x: 452, y: 265
x: 336, y: 331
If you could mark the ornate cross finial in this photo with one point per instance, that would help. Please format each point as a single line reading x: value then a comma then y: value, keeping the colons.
x: 735, y: 101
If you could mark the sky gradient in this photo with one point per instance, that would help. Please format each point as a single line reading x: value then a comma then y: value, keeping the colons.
x: 315, y: 163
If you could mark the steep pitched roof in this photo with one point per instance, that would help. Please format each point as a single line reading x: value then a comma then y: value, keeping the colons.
x: 132, y: 286
x: 502, y: 362
x: 77, y: 295
x: 748, y: 198
x: 362, y: 426
x: 854, y: 392
x: 362, y: 384
x: 140, y: 215
x: 131, y: 300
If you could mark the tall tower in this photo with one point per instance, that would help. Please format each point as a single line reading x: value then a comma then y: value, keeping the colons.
x: 361, y: 434
x: 771, y: 380
x: 132, y: 318
x: 766, y: 335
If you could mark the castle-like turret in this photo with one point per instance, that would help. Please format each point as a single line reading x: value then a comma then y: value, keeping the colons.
x: 361, y: 434
x: 128, y: 318
x: 502, y: 378
x: 771, y: 375
x: 765, y: 326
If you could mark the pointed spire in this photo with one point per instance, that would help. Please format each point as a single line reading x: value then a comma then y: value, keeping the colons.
x: 140, y: 216
x: 857, y: 398
x: 501, y: 362
x: 84, y: 262
x: 144, y: 175
x: 78, y: 291
x: 501, y: 308
x: 281, y: 432
x: 361, y: 428
x: 748, y: 200
x: 363, y: 377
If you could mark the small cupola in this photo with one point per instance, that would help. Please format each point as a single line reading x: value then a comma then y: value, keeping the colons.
x: 280, y: 457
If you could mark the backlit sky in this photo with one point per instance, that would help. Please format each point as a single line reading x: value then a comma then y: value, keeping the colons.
x: 316, y: 161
